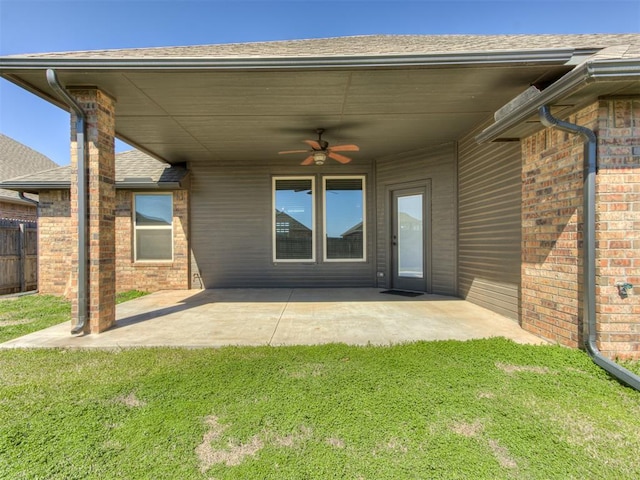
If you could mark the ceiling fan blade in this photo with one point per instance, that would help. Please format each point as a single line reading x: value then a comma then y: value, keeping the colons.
x: 345, y: 148
x: 313, y: 144
x: 294, y: 151
x: 339, y: 158
x: 308, y: 160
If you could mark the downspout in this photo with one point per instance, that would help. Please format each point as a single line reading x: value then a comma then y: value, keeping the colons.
x: 589, y: 246
x: 52, y: 79
x: 27, y: 199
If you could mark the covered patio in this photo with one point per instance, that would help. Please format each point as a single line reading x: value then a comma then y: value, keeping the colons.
x: 284, y: 316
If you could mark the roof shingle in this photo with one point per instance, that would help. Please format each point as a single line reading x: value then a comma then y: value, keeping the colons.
x: 18, y: 159
x: 132, y: 165
x: 362, y: 45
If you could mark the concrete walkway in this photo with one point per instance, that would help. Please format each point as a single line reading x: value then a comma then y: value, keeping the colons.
x: 213, y: 318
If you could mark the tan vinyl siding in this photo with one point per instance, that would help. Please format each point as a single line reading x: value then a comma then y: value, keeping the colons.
x: 489, y: 198
x: 231, y: 231
x: 437, y: 165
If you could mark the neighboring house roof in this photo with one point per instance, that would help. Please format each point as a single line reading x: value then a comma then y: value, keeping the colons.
x: 18, y: 159
x: 363, y: 45
x: 134, y: 170
x: 355, y: 230
x: 290, y: 224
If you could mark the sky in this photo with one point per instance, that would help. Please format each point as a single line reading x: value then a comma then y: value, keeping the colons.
x: 39, y: 26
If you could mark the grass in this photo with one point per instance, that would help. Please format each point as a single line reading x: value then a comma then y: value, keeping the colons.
x: 25, y: 314
x: 129, y: 295
x: 483, y: 409
x: 30, y: 313
x: 478, y: 409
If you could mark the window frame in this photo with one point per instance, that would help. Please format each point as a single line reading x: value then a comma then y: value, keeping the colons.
x: 137, y: 227
x: 362, y: 178
x: 274, y: 209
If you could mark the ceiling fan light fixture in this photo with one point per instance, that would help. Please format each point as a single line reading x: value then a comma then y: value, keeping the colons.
x: 319, y: 158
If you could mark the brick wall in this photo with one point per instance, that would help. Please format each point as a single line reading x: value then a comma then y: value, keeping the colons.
x: 17, y: 211
x: 56, y: 242
x: 552, y: 229
x: 151, y: 276
x: 618, y: 226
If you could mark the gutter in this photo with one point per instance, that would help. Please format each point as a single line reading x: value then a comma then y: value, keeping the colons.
x: 617, y: 70
x: 52, y: 79
x: 589, y: 246
x: 35, y: 187
x: 540, y: 56
x: 125, y: 185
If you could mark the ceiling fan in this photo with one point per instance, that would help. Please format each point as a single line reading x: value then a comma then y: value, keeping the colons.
x: 320, y: 150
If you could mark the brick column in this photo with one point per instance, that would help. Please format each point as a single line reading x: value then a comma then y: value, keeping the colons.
x: 99, y: 109
x: 618, y: 227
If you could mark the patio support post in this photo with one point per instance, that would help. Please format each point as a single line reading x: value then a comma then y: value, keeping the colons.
x: 99, y: 199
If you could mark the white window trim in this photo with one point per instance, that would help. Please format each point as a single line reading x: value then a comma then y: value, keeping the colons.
x: 148, y: 227
x: 324, y: 218
x: 313, y: 219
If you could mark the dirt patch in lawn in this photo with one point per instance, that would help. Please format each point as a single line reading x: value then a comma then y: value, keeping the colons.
x: 11, y: 323
x: 511, y: 369
x: 131, y: 400
x: 230, y: 456
x: 502, y: 455
x: 304, y: 433
x: 468, y: 429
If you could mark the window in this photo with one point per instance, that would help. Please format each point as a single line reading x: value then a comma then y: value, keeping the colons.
x: 344, y: 227
x: 153, y: 227
x: 293, y: 219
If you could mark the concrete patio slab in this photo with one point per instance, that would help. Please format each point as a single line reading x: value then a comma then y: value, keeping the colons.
x: 215, y: 318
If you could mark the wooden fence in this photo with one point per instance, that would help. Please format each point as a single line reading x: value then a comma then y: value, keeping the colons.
x: 18, y: 256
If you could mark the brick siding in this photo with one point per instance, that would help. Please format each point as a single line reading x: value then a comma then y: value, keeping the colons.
x: 618, y: 227
x: 18, y: 211
x: 151, y: 276
x: 56, y: 242
x: 552, y: 229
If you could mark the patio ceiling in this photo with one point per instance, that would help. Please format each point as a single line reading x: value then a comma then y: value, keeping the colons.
x: 243, y: 115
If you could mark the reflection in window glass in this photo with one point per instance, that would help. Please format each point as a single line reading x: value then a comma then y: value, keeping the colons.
x: 293, y: 219
x: 344, y: 218
x: 153, y: 227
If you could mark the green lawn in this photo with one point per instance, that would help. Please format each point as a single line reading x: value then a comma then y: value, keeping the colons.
x: 21, y: 315
x: 30, y: 313
x: 479, y: 409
